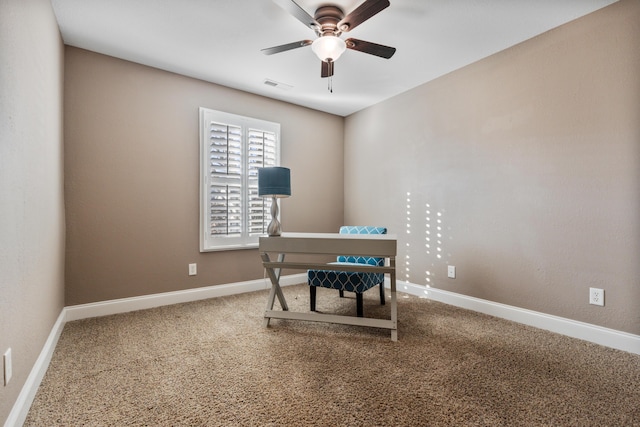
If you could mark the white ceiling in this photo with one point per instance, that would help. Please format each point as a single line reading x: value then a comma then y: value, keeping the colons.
x: 220, y: 41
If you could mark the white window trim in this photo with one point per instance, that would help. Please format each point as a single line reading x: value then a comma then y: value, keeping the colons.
x: 209, y: 243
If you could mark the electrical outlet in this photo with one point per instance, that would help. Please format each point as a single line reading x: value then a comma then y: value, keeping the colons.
x: 6, y: 361
x: 193, y: 269
x: 451, y: 271
x: 596, y: 296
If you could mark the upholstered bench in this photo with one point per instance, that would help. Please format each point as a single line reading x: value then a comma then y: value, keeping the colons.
x: 357, y: 282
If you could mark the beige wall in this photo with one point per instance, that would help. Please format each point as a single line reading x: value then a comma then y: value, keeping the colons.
x: 31, y: 186
x: 131, y: 177
x: 531, y: 161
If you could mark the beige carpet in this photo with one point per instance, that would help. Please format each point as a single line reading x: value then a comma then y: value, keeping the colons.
x: 211, y: 363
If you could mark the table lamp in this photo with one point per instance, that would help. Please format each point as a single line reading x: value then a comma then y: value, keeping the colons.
x: 274, y: 182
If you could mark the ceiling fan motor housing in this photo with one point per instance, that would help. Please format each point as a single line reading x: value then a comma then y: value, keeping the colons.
x: 328, y: 18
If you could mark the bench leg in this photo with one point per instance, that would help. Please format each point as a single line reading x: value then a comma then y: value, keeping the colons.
x: 359, y: 310
x: 382, y: 293
x: 312, y: 297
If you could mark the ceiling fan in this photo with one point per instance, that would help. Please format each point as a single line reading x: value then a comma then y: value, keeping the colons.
x: 329, y: 22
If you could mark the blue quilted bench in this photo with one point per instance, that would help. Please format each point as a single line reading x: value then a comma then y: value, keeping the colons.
x: 349, y: 281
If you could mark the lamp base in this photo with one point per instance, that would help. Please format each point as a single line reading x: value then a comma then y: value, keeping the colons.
x: 274, y: 229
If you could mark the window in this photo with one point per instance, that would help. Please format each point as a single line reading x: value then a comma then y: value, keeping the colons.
x: 232, y: 149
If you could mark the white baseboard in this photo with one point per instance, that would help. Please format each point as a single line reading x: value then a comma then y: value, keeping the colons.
x: 572, y: 328
x: 123, y: 305
x: 20, y: 408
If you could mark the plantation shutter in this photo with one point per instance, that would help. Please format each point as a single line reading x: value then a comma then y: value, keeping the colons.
x: 233, y: 148
x: 261, y: 153
x: 225, y: 166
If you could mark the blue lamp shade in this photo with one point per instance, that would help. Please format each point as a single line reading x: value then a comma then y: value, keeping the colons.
x: 274, y: 181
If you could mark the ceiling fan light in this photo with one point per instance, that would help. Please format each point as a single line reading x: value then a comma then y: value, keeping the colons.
x: 328, y: 47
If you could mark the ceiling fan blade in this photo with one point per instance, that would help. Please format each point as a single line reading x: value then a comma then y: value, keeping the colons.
x: 285, y: 47
x: 371, y: 48
x: 327, y: 69
x: 363, y: 12
x: 299, y: 13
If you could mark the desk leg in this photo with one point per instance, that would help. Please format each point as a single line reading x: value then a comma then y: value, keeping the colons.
x: 272, y: 297
x: 274, y: 276
x: 394, y: 302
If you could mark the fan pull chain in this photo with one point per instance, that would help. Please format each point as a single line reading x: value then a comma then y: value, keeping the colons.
x: 330, y: 84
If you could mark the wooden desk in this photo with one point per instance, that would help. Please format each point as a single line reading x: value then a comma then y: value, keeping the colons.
x: 377, y: 245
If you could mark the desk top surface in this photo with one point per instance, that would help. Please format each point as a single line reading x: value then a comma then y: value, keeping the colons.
x: 334, y: 236
x: 331, y: 244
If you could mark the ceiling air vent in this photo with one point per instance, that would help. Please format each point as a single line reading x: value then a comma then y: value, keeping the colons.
x: 279, y: 85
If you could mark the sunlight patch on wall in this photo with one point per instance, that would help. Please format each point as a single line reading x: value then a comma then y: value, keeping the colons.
x: 428, y: 240
x: 423, y: 251
x: 439, y: 235
x: 407, y: 259
x: 434, y: 243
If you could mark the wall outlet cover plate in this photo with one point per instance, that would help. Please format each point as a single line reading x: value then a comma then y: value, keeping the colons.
x: 596, y: 296
x: 451, y: 271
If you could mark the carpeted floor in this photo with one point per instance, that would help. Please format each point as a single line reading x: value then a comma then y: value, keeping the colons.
x: 212, y: 363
